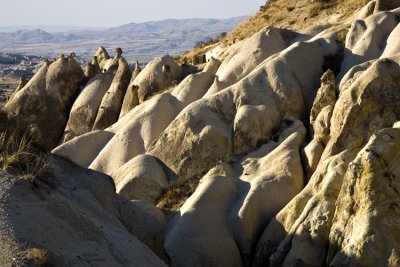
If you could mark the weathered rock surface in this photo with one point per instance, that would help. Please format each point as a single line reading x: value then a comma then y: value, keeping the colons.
x: 102, y: 57
x: 42, y: 105
x: 156, y: 76
x: 239, y: 118
x: 92, y: 68
x: 300, y: 232
x: 134, y: 132
x: 92, y: 142
x: 70, y: 213
x: 364, y: 230
x: 254, y: 125
x: 143, y: 177
x: 232, y: 204
x: 85, y: 108
x: 382, y: 5
x: 111, y: 103
x: 201, y: 229
x: 244, y: 56
x: 320, y: 116
x: 131, y: 98
x: 146, y: 222
x: 366, y: 39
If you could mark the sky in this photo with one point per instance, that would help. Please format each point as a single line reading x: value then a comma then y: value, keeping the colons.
x: 111, y: 13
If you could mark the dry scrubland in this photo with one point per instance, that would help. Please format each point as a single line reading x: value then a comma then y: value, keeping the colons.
x: 293, y: 15
x: 297, y: 15
x: 247, y: 159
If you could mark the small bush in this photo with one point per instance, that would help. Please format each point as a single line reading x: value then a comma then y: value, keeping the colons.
x: 37, y: 256
x: 222, y: 35
x: 205, y: 43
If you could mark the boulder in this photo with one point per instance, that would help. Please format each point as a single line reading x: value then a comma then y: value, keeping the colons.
x: 215, y: 52
x: 366, y: 11
x: 22, y: 82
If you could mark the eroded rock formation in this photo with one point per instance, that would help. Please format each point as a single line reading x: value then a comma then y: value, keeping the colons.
x: 43, y: 104
x: 156, y: 76
x: 73, y: 216
x: 282, y: 151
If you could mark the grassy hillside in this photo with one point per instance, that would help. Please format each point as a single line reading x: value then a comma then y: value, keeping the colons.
x: 297, y: 15
x: 289, y: 14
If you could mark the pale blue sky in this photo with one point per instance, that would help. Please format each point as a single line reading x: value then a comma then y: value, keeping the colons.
x: 117, y: 12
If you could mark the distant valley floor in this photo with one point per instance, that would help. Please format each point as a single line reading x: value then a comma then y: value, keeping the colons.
x: 7, y: 86
x: 139, y: 41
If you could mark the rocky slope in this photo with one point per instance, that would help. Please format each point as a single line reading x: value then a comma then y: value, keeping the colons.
x: 280, y: 150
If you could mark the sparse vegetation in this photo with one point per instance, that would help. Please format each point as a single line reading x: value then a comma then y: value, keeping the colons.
x: 294, y: 15
x: 174, y: 197
x: 297, y: 15
x: 201, y: 44
x: 17, y: 151
x: 320, y: 6
x: 37, y: 256
x: 199, y: 49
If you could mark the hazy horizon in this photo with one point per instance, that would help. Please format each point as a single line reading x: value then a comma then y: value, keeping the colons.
x: 100, y: 13
x: 57, y: 28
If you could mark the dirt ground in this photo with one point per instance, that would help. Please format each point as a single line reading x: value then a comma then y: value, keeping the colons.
x: 7, y: 86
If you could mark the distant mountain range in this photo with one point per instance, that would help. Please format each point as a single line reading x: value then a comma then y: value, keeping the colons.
x: 141, y: 41
x: 48, y: 28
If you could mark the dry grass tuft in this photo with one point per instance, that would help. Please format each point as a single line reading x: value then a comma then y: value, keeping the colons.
x: 174, y: 197
x: 14, y: 149
x: 37, y: 256
x: 17, y: 151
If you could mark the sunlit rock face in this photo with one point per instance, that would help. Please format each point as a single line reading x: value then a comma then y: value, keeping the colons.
x: 42, y: 105
x: 280, y: 150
